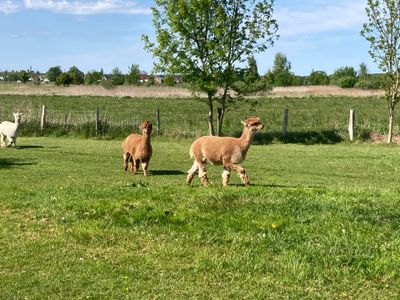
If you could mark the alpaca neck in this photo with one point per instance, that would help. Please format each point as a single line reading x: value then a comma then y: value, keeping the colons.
x: 246, y: 138
x: 146, y: 139
x: 15, y: 125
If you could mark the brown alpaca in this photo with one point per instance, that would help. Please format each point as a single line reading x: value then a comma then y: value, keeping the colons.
x: 137, y: 148
x: 226, y: 151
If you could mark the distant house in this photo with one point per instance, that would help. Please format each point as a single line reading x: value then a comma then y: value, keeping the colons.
x: 143, y: 77
x: 160, y: 78
x: 1, y: 78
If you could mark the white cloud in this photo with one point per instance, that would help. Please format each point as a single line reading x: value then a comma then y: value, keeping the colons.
x: 84, y: 7
x: 343, y: 15
x: 9, y: 7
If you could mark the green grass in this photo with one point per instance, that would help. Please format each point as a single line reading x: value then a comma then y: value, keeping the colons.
x: 311, y: 119
x: 319, y: 221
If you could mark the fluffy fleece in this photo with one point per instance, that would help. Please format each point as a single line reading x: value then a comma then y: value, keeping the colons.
x: 226, y: 151
x: 137, y: 148
x: 9, y: 131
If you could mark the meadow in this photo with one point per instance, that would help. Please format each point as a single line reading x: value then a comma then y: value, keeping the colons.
x: 318, y: 221
x: 321, y: 218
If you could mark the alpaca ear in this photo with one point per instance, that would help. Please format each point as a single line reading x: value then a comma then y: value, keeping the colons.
x: 243, y: 122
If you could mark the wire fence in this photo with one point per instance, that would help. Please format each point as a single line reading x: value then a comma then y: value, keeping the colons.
x: 314, y: 119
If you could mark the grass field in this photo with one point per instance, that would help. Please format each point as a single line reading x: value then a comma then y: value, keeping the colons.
x: 318, y: 222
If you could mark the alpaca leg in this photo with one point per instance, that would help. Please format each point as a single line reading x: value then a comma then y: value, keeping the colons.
x: 225, y: 176
x: 12, y: 142
x: 192, y: 172
x: 242, y: 173
x: 2, y: 140
x: 203, y: 173
x: 135, y: 166
x: 145, y: 166
x: 126, y: 158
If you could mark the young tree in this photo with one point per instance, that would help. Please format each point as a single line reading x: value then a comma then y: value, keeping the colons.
x: 117, y: 78
x: 133, y: 75
x: 251, y: 73
x: 383, y: 32
x: 363, y: 71
x: 23, y: 76
x: 280, y: 74
x: 206, y: 41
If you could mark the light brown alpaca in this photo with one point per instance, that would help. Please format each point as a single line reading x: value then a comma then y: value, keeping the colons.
x: 137, y: 148
x: 226, y: 151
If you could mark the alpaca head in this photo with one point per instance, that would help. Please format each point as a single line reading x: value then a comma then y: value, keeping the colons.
x: 253, y: 123
x: 17, y: 117
x: 146, y: 127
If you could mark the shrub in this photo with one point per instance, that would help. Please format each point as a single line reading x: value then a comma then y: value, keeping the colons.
x: 317, y: 78
x: 371, y: 82
x: 169, y: 80
x: 76, y: 75
x: 64, y: 79
x: 344, y: 77
x: 53, y: 73
x: 93, y: 77
x: 347, y: 82
x: 117, y: 78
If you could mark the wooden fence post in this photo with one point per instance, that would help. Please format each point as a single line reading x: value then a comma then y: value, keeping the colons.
x: 97, y: 119
x: 43, y: 117
x: 66, y: 120
x: 352, y: 121
x: 285, y: 122
x: 158, y: 121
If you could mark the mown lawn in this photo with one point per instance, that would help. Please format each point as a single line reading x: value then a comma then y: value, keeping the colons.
x: 320, y: 221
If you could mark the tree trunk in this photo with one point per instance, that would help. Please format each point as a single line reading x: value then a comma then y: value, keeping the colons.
x: 221, y: 121
x: 390, y: 133
x: 210, y: 115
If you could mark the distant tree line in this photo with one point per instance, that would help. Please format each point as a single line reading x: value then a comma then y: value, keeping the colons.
x: 345, y: 77
x: 246, y: 80
x: 75, y: 76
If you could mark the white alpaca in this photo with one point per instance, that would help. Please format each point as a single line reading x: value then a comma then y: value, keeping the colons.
x: 9, y: 130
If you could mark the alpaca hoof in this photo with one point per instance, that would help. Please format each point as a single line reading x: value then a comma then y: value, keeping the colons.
x: 245, y: 179
x: 189, y: 178
x: 204, y: 181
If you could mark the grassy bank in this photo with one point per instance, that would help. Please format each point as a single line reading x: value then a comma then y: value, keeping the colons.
x: 319, y: 221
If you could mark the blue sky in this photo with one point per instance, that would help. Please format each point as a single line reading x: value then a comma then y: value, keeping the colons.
x: 94, y: 34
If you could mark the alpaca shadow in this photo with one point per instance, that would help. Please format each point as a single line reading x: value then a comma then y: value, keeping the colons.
x: 7, y: 163
x: 166, y: 172
x: 241, y: 185
x: 328, y: 137
x: 29, y: 147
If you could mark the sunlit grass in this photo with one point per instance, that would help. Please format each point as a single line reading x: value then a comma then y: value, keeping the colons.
x: 318, y: 221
